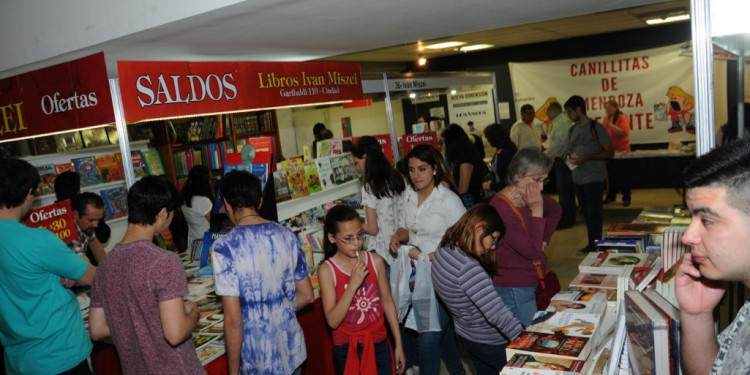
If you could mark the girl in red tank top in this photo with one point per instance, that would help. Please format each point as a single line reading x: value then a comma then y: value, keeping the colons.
x: 356, y: 298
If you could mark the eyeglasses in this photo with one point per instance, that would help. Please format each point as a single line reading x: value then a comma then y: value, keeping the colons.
x: 351, y: 239
x: 495, y: 239
x: 540, y: 180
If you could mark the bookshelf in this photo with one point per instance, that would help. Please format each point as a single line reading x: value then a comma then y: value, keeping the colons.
x: 205, y: 140
x: 293, y: 207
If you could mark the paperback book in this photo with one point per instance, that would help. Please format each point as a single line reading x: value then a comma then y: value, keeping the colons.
x: 313, y: 178
x: 325, y: 172
x: 110, y: 167
x: 595, y: 280
x: 295, y: 175
x: 64, y: 167
x: 94, y: 137
x: 115, y: 202
x: 139, y: 166
x: 47, y: 179
x: 610, y: 263
x: 575, y: 300
x: 528, y: 364
x: 620, y: 245
x: 281, y: 185
x: 648, y: 336
x: 87, y: 169
x: 555, y: 345
x: 153, y: 162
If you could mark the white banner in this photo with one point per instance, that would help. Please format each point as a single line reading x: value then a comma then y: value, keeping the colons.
x: 477, y: 106
x: 653, y: 87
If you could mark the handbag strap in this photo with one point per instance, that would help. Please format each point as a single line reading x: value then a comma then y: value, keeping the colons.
x: 536, y: 262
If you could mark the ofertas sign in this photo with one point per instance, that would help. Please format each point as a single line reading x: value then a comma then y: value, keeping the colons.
x: 62, y: 97
x: 57, y: 217
x: 412, y: 140
x: 163, y: 89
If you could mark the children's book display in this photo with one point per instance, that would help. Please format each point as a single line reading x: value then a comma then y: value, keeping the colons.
x: 115, y: 201
x: 110, y: 167
x: 307, y: 178
x: 87, y: 169
x: 139, y: 166
x: 47, y: 179
x: 153, y: 162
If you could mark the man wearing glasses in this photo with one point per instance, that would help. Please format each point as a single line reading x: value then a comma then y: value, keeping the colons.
x: 589, y: 146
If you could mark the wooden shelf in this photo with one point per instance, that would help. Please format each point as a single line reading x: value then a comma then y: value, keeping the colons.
x: 198, y: 143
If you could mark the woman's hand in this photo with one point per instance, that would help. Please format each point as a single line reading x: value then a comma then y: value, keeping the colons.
x: 395, y: 243
x: 414, y: 253
x: 532, y: 196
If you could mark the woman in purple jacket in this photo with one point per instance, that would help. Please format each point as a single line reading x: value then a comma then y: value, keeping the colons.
x: 530, y: 219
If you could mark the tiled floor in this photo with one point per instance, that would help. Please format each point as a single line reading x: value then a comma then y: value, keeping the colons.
x: 561, y: 252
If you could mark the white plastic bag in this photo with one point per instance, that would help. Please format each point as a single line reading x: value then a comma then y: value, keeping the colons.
x: 399, y: 282
x: 424, y: 301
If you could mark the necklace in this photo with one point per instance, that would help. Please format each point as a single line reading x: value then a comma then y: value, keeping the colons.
x: 240, y: 219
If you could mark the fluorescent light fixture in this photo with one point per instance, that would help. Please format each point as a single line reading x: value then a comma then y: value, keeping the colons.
x: 445, y: 45
x: 677, y: 18
x: 475, y: 47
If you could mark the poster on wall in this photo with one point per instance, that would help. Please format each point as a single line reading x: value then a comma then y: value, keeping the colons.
x: 477, y: 106
x: 653, y: 87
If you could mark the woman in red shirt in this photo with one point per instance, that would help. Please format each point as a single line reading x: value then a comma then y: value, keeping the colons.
x: 618, y: 128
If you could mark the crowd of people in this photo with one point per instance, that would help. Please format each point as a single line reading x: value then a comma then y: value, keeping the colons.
x: 474, y: 236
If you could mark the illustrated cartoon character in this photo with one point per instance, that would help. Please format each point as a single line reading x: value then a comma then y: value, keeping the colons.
x: 680, y: 105
x: 541, y: 115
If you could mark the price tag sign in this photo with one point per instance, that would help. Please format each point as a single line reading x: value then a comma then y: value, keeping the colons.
x: 57, y: 217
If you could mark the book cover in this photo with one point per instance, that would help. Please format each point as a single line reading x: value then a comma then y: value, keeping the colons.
x: 673, y: 314
x: 570, y: 323
x: 153, y: 162
x: 527, y: 364
x: 635, y: 228
x: 343, y: 168
x: 69, y: 141
x: 647, y: 336
x: 47, y: 179
x: 313, y: 179
x: 201, y: 340
x: 575, y: 300
x: 45, y: 145
x: 281, y: 185
x: 208, y: 246
x: 555, y: 345
x: 86, y: 167
x: 110, y: 167
x: 112, y: 135
x: 620, y: 245
x: 64, y: 167
x: 325, y: 172
x: 295, y: 175
x: 209, y: 353
x: 594, y: 280
x: 94, y: 137
x: 643, y: 276
x: 323, y: 147
x: 115, y: 202
x: 139, y: 166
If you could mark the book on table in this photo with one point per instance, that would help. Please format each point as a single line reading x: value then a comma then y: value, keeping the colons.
x: 610, y: 263
x: 673, y: 313
x: 647, y: 336
x: 575, y: 300
x: 528, y: 364
x: 556, y: 345
x: 595, y: 280
x: 620, y: 245
x: 569, y: 322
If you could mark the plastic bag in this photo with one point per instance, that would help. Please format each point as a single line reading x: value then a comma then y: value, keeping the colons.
x: 399, y: 282
x: 424, y: 301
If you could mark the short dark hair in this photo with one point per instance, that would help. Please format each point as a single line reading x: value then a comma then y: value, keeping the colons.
x: 429, y: 155
x: 67, y: 185
x: 81, y: 202
x: 727, y: 166
x: 148, y: 196
x: 499, y: 137
x: 471, y: 123
x: 317, y: 128
x: 198, y: 184
x: 18, y: 178
x: 337, y: 214
x: 241, y: 189
x: 526, y: 107
x: 576, y: 101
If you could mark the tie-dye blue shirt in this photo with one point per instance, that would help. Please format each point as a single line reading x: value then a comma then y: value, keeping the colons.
x: 260, y: 264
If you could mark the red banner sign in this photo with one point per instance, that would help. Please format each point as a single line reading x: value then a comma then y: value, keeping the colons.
x: 163, y: 89
x: 411, y: 140
x: 57, y: 217
x: 62, y: 97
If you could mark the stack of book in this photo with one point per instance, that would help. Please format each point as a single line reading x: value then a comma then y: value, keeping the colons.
x: 653, y: 334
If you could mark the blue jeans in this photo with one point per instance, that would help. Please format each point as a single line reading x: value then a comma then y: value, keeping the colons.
x: 430, y: 346
x: 590, y: 199
x: 565, y: 191
x: 383, y: 360
x: 488, y: 359
x: 521, y: 301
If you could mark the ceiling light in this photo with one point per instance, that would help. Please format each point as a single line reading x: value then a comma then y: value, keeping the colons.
x: 422, y: 61
x: 453, y: 92
x: 445, y: 45
x: 656, y: 21
x: 475, y: 47
x: 412, y: 95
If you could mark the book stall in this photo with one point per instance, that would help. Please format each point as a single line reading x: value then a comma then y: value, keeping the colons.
x: 619, y: 314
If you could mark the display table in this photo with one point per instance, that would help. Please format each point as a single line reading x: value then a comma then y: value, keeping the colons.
x: 648, y: 169
x: 317, y: 340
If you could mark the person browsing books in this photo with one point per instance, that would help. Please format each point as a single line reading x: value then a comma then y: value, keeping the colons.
x: 198, y: 201
x: 356, y: 296
x: 718, y: 197
x: 41, y: 328
x: 530, y: 219
x: 137, y: 295
x: 461, y: 272
x: 261, y: 276
x: 429, y: 209
x: 68, y: 186
x: 381, y: 195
